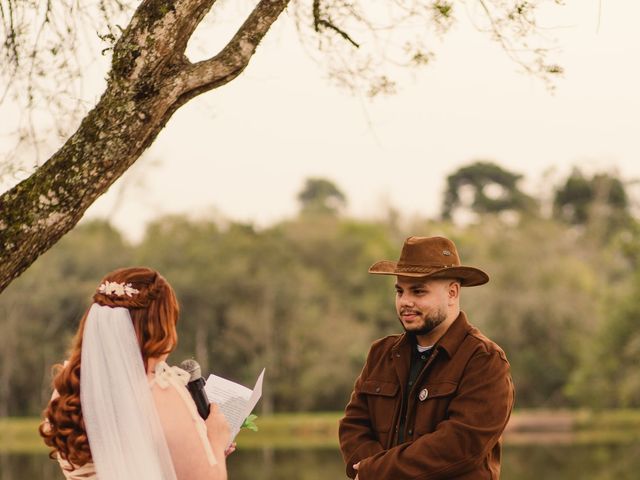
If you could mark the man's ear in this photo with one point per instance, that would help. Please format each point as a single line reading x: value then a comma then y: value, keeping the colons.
x: 454, y: 290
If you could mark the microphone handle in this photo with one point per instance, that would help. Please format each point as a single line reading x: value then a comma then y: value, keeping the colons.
x: 196, y: 388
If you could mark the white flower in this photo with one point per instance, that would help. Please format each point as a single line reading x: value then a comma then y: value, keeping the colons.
x: 119, y: 289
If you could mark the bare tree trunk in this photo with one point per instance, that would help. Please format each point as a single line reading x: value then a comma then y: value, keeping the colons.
x: 202, y: 347
x: 8, y: 357
x: 268, y: 317
x: 150, y: 79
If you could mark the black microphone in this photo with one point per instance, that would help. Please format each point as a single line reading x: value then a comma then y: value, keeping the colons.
x: 196, y: 386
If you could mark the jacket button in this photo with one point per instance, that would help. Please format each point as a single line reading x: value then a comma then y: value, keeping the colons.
x: 410, y: 432
x: 424, y: 393
x: 398, y: 355
x: 377, y: 389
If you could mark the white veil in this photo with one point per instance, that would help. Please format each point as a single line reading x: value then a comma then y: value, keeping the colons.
x: 124, y: 431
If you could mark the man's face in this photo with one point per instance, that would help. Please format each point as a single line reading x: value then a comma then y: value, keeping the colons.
x: 421, y: 304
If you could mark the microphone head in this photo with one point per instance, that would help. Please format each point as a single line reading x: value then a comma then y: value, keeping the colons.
x: 192, y: 368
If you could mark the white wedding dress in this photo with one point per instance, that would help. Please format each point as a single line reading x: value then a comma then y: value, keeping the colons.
x: 185, y: 431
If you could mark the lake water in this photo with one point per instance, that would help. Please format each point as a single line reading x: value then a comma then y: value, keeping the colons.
x: 550, y: 462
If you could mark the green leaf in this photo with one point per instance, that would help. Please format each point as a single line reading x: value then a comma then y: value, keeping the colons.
x: 249, y: 423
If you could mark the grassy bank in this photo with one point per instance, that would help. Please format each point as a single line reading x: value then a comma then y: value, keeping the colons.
x: 573, y: 427
x: 319, y: 430
x: 20, y: 435
x: 299, y: 430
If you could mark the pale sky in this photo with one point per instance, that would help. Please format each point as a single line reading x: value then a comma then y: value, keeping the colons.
x: 244, y: 150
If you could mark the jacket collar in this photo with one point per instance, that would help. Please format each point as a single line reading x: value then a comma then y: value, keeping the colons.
x: 455, y: 335
x: 449, y: 342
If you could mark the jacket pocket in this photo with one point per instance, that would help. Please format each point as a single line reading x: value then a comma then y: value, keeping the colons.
x: 439, y: 390
x: 382, y: 398
x: 432, y: 405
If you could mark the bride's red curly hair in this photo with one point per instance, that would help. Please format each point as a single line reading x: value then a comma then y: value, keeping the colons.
x: 154, y: 313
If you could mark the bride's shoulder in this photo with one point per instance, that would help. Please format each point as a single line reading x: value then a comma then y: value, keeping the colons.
x: 168, y: 386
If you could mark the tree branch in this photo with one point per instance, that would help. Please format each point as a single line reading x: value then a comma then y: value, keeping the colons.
x: 149, y: 80
x: 235, y: 56
x: 318, y: 22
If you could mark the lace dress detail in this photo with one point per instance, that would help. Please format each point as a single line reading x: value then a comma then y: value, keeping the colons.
x: 85, y: 472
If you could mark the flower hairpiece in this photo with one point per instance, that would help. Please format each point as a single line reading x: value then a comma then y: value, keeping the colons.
x: 119, y: 289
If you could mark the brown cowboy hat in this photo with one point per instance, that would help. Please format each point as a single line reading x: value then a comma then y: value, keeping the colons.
x: 432, y: 257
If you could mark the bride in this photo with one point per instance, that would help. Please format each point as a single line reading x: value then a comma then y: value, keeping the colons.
x: 118, y: 411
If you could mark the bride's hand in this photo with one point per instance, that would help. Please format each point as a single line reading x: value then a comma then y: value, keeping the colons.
x: 230, y: 449
x: 218, y: 429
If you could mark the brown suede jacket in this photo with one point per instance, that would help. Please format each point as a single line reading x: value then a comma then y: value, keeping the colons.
x: 456, y: 410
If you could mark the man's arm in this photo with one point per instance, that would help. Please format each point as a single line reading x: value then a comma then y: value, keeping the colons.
x: 357, y: 439
x: 478, y: 415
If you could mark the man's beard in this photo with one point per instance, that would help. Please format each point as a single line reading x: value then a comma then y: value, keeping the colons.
x: 429, y: 322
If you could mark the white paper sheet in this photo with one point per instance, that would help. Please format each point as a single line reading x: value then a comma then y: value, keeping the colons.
x: 235, y: 401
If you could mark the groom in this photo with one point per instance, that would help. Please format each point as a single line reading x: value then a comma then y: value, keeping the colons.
x: 430, y: 403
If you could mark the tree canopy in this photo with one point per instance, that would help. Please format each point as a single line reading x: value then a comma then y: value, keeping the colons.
x: 601, y: 198
x: 492, y: 190
x: 321, y: 196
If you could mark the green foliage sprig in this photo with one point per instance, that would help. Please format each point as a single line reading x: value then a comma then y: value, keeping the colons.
x: 249, y: 423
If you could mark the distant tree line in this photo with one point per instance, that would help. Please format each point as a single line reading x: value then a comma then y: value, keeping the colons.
x: 563, y: 301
